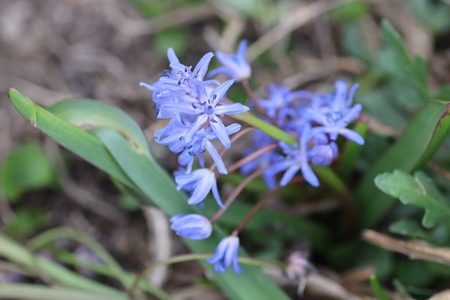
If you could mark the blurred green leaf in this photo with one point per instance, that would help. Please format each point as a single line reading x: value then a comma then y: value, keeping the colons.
x: 351, y: 152
x: 137, y: 170
x: 350, y: 11
x: 413, y: 272
x: 177, y: 38
x: 410, y: 229
x: 27, y: 221
x: 378, y: 289
x: 394, y: 59
x: 26, y: 169
x: 418, y: 190
x: 39, y: 292
x: 411, y: 152
x: 432, y: 14
x: 18, y: 254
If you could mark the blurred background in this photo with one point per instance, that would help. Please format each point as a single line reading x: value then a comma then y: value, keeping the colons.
x: 51, y: 50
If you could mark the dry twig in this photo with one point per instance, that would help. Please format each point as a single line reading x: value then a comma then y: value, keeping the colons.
x: 413, y: 249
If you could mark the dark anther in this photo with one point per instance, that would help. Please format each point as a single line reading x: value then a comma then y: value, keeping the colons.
x: 214, y: 97
x: 166, y: 73
x: 212, y: 120
x: 193, y: 105
x: 203, y: 151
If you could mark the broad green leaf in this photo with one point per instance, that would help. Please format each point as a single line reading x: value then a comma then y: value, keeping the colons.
x: 137, y: 170
x: 411, y: 152
x: 88, y: 114
x: 39, y: 292
x: 417, y: 190
x: 71, y: 137
x: 27, y: 168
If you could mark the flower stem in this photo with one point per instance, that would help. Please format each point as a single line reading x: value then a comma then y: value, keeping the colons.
x: 236, y: 193
x: 250, y: 157
x: 261, y: 202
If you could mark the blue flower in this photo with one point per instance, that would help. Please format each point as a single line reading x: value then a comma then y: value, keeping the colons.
x: 280, y: 98
x: 234, y: 66
x: 200, y: 182
x: 226, y: 255
x: 193, y: 226
x: 181, y: 82
x: 334, y: 113
x: 207, y: 108
x: 296, y: 159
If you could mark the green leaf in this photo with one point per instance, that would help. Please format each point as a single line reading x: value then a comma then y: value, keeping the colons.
x: 395, y: 60
x: 410, y: 229
x: 414, y: 272
x: 27, y: 221
x: 137, y: 170
x: 351, y: 152
x: 378, y: 289
x: 40, y: 292
x: 16, y: 253
x: 415, y: 147
x: 417, y: 190
x: 26, y: 169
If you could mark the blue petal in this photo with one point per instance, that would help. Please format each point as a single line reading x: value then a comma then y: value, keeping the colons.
x: 216, y: 157
x: 220, y: 91
x: 221, y: 70
x: 221, y: 132
x: 196, y: 126
x: 202, y: 66
x: 289, y: 174
x: 309, y: 175
x: 231, y: 109
x: 173, y: 59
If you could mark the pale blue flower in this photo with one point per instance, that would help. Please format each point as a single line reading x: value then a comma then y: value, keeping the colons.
x: 334, y: 112
x: 226, y: 255
x: 192, y: 226
x: 234, y: 66
x: 200, y: 182
x: 296, y: 159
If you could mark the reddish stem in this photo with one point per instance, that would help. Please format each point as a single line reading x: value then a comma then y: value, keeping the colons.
x: 250, y: 157
x: 236, y: 193
x: 260, y: 203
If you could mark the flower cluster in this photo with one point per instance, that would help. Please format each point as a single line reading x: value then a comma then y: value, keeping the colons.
x: 318, y: 119
x: 196, y: 108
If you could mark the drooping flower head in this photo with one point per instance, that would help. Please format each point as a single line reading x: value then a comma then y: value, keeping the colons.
x: 234, y: 66
x: 226, y: 255
x: 192, y: 226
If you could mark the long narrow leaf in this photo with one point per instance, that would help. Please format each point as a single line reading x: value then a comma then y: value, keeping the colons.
x: 137, y: 170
